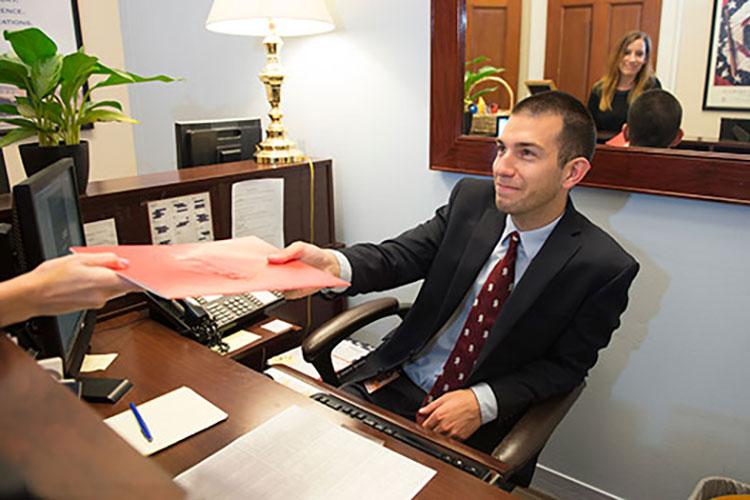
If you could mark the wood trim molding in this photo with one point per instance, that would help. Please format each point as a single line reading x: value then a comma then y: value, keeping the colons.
x: 699, y: 175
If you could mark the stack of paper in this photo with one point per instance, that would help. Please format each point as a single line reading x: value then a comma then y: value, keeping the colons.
x: 301, y: 454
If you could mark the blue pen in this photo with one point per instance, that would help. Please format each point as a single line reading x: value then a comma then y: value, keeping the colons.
x: 141, y: 423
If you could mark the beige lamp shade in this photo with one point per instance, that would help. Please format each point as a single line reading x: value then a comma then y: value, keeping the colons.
x: 252, y: 17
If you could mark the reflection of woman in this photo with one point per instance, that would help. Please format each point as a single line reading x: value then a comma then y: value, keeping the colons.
x: 628, y: 75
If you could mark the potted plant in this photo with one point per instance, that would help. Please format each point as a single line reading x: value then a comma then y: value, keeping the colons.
x: 473, y: 78
x: 56, y: 104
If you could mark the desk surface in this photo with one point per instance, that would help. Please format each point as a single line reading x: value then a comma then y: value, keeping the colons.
x: 59, y: 446
x: 157, y: 360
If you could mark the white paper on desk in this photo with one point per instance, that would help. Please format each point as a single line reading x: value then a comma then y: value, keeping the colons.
x: 301, y: 454
x: 237, y: 340
x: 170, y: 417
x: 277, y: 326
x: 258, y: 210
x: 183, y: 219
x: 97, y: 362
x: 101, y: 233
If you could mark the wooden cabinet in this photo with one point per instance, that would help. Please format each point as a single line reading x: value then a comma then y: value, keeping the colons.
x: 308, y: 214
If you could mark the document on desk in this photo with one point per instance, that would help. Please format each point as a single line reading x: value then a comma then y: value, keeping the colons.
x: 258, y: 210
x: 301, y: 454
x: 170, y: 418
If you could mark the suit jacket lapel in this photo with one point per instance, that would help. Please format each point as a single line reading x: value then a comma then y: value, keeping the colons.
x: 474, y: 257
x: 560, y: 246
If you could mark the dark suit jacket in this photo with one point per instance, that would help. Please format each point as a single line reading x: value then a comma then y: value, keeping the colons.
x: 547, y: 336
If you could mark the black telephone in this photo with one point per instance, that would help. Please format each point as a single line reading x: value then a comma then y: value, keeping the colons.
x: 207, y: 319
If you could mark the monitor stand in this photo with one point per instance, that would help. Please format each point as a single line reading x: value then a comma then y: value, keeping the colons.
x: 103, y: 390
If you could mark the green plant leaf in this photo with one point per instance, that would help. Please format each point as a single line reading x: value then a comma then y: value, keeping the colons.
x: 9, y: 109
x: 477, y: 77
x: 476, y: 95
x: 13, y: 72
x: 94, y: 105
x: 19, y: 122
x: 17, y: 134
x: 477, y: 60
x: 77, y: 68
x: 120, y: 77
x: 31, y: 44
x: 105, y: 115
x: 45, y: 75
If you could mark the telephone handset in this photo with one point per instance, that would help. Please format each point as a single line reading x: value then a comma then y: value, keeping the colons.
x: 207, y: 319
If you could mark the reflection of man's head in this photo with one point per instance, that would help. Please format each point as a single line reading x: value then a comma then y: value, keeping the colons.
x: 654, y: 120
x: 577, y: 138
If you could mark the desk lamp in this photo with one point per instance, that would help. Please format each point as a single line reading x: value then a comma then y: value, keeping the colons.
x: 271, y: 19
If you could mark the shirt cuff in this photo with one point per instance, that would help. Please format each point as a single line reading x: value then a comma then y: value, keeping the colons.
x: 487, y: 401
x: 345, y: 272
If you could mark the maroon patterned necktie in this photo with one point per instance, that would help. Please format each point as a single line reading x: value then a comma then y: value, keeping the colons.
x: 478, y: 325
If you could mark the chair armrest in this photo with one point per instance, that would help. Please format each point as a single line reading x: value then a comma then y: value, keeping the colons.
x: 529, y: 435
x: 318, y: 345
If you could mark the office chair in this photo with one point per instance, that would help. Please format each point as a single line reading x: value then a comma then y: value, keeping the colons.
x: 524, y: 441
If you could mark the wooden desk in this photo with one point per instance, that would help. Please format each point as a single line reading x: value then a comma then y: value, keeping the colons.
x: 156, y: 361
x: 60, y: 446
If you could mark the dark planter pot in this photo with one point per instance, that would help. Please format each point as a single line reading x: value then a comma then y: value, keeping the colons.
x: 36, y: 157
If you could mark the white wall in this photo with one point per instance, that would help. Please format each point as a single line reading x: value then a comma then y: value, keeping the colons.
x: 111, y: 147
x: 665, y: 405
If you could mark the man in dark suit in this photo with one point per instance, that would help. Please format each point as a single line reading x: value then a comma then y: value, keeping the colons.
x: 520, y: 290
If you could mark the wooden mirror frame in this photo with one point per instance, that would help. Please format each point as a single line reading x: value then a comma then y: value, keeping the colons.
x: 700, y: 175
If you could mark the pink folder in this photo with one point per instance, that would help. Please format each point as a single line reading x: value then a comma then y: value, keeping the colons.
x: 226, y: 267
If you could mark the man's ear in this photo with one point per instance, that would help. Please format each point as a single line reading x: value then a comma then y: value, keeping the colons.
x: 575, y: 170
x: 625, y: 132
x: 677, y: 138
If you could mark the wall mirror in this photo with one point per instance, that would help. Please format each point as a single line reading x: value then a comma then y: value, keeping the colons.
x: 693, y: 174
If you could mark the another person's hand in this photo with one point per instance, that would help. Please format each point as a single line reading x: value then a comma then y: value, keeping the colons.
x: 64, y: 284
x: 311, y: 255
x: 455, y: 414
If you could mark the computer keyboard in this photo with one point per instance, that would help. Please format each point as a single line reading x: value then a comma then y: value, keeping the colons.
x: 451, y: 457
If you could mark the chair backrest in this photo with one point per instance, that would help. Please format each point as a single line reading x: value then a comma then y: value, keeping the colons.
x: 529, y: 435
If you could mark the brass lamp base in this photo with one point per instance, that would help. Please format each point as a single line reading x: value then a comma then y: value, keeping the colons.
x: 278, y: 150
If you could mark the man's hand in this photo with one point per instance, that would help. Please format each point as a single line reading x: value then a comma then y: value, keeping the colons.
x: 311, y: 255
x: 455, y: 414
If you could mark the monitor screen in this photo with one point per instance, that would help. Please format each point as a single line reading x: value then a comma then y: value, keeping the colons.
x: 539, y: 86
x: 47, y: 215
x: 207, y: 142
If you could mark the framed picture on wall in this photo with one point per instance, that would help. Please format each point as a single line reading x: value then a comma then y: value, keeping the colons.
x: 59, y: 19
x: 728, y: 70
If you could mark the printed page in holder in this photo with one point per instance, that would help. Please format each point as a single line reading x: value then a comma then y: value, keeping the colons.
x: 258, y: 210
x: 301, y: 454
x: 170, y: 418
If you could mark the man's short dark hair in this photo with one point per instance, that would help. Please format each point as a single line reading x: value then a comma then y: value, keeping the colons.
x: 654, y: 119
x: 578, y: 135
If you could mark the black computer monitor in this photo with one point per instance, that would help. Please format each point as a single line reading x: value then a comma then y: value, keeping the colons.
x: 48, y: 218
x: 735, y: 129
x: 218, y: 141
x: 4, y: 184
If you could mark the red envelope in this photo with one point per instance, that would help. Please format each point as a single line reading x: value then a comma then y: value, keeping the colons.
x: 226, y: 267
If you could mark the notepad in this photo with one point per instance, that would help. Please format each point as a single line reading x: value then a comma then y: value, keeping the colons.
x: 170, y: 417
